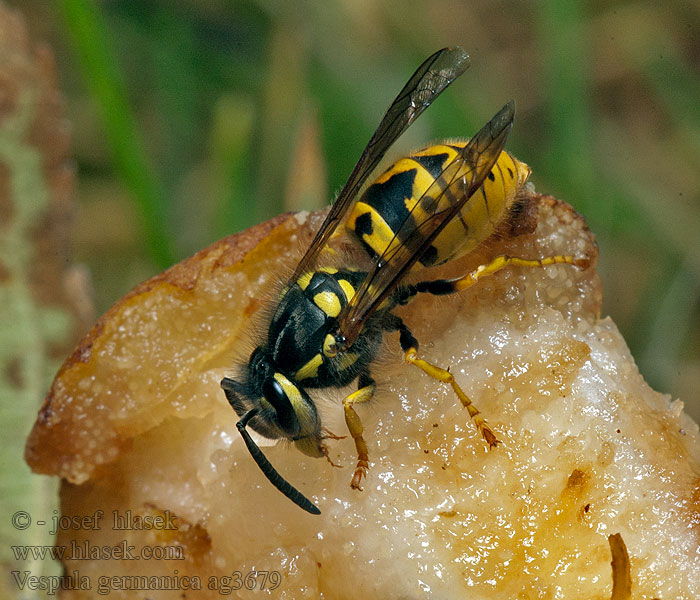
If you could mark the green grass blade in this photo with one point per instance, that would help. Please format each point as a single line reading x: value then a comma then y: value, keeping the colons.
x: 567, y: 89
x: 91, y: 40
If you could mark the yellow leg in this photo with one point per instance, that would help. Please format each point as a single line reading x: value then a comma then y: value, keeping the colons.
x: 354, y: 424
x: 500, y: 262
x: 443, y: 375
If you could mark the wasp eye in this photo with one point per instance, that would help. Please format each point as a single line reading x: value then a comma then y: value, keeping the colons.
x: 275, y: 395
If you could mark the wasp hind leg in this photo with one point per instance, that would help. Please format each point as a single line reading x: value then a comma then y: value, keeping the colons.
x: 440, y: 287
x: 409, y: 345
x: 364, y: 393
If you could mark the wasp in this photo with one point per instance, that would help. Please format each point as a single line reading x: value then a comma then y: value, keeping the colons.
x: 328, y: 325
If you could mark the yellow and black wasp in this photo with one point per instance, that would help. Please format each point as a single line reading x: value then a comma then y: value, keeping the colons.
x: 327, y: 329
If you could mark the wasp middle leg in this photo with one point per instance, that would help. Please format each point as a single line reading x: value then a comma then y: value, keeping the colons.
x: 439, y: 287
x: 409, y: 344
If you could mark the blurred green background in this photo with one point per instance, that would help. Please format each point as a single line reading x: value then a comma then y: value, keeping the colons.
x: 195, y: 119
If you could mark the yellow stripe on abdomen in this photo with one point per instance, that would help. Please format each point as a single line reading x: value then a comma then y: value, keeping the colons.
x: 395, y: 197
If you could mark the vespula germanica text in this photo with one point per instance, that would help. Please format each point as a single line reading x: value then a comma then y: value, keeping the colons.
x: 327, y: 328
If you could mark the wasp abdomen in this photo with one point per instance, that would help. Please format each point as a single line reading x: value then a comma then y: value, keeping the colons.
x: 399, y: 195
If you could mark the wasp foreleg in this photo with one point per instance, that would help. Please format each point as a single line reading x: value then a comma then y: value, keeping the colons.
x: 366, y: 387
x: 329, y: 435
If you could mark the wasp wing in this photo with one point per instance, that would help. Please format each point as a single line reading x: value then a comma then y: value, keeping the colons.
x: 426, y: 84
x: 442, y: 202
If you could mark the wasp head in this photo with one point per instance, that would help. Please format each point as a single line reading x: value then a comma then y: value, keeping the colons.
x: 283, y: 409
x: 276, y: 408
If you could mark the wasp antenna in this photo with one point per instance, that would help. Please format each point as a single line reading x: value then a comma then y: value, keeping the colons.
x: 269, y: 471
